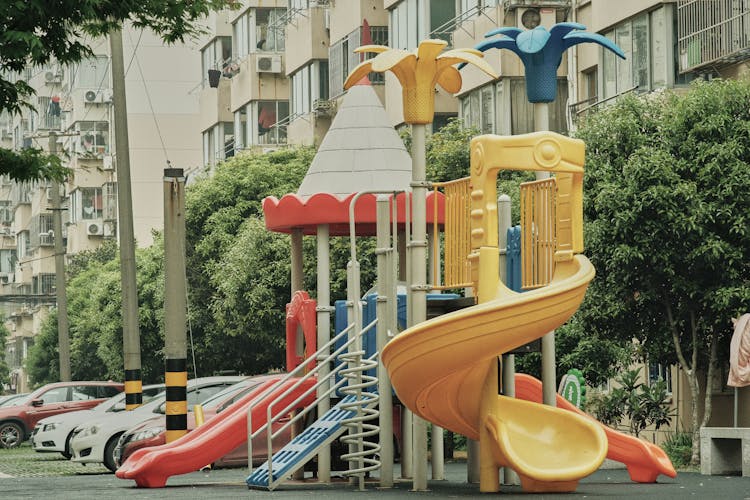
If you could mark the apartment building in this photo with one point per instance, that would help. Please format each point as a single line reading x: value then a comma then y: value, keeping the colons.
x: 74, y: 116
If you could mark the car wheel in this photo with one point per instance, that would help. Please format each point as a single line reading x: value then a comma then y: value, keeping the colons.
x: 109, y: 453
x: 11, y: 434
x: 67, y: 454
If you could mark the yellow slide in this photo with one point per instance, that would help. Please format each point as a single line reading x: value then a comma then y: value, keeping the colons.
x: 444, y: 370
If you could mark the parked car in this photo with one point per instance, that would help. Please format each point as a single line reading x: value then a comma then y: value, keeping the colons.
x: 52, y: 434
x: 152, y: 432
x: 94, y: 441
x: 16, y: 422
x: 12, y: 399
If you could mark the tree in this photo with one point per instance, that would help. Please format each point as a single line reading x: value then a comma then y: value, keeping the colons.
x: 667, y: 201
x: 94, y: 303
x: 33, y: 32
x: 217, y: 212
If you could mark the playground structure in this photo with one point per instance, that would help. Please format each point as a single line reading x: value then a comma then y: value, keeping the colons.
x: 444, y: 370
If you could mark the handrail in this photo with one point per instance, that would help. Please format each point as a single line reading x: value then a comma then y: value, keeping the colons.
x: 269, y: 419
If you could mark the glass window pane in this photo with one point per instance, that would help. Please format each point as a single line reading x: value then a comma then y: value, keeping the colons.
x: 609, y: 73
x: 659, y: 45
x: 488, y: 110
x: 624, y: 67
x: 641, y: 68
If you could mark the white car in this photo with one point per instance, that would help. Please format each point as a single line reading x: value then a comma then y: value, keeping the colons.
x: 53, y: 434
x: 94, y: 441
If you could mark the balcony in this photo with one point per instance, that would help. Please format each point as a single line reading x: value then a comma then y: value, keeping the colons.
x: 712, y: 33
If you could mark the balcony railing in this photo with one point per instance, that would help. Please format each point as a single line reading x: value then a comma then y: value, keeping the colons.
x: 712, y: 32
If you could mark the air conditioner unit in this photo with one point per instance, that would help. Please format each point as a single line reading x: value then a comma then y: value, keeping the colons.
x: 97, y: 96
x: 531, y: 17
x: 268, y: 64
x: 95, y: 228
x: 108, y: 163
x: 53, y: 77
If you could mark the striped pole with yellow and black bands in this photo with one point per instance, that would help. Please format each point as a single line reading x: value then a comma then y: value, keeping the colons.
x: 176, y: 382
x: 133, y: 389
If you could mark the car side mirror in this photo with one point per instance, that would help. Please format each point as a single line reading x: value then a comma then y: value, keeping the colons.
x: 37, y: 402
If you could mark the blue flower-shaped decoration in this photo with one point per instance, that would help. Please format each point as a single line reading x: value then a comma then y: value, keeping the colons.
x: 541, y: 53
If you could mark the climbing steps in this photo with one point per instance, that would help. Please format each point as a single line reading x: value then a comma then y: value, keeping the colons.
x: 303, y: 447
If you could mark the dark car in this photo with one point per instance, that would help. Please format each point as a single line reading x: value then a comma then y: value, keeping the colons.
x: 152, y: 432
x: 17, y: 422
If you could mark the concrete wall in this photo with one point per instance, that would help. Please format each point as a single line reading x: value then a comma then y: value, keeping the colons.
x: 309, y: 38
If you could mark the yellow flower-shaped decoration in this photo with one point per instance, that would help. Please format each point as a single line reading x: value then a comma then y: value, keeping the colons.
x: 419, y: 71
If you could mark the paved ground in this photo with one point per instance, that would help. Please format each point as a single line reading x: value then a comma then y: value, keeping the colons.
x: 86, y: 483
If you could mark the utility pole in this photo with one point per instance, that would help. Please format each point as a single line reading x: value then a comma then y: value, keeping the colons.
x: 63, y: 338
x: 131, y: 340
x: 175, y: 303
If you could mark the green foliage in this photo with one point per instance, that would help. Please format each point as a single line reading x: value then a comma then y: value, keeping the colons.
x: 679, y: 448
x: 95, y: 319
x: 667, y: 202
x: 598, y: 359
x: 640, y: 404
x: 448, y: 153
x: 43, y: 360
x: 4, y: 371
x: 30, y: 164
x: 239, y: 273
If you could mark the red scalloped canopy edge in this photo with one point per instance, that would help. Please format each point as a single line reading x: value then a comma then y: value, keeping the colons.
x: 295, y: 212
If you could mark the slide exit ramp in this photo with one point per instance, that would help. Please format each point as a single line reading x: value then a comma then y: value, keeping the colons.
x: 353, y: 411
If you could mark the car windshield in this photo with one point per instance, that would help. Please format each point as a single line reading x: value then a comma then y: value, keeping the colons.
x: 117, y: 403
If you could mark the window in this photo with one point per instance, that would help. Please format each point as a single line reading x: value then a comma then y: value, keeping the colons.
x: 7, y: 260
x: 657, y: 371
x: 258, y: 29
x: 41, y: 231
x: 216, y: 55
x: 56, y: 395
x: 93, y: 73
x: 93, y: 139
x: 109, y: 200
x: 43, y: 284
x: 23, y: 243
x: 486, y: 108
x: 647, y: 63
x: 406, y: 25
x: 86, y: 204
x: 343, y: 59
x: 49, y: 109
x: 308, y: 85
x: 107, y: 391
x: 6, y: 212
x: 269, y: 123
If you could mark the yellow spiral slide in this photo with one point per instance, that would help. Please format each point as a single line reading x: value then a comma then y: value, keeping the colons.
x: 445, y: 369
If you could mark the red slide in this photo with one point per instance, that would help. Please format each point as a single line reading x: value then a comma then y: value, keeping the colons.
x: 644, y: 460
x: 151, y: 467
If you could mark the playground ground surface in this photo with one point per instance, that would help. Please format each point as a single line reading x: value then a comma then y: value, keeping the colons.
x: 229, y: 484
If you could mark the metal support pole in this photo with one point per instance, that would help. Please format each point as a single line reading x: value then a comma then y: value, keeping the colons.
x: 175, y: 303
x: 324, y: 335
x: 297, y: 284
x: 472, y: 446
x: 437, y: 434
x: 508, y: 360
x: 63, y: 338
x: 131, y: 338
x: 418, y: 283
x: 549, y: 376
x: 384, y: 382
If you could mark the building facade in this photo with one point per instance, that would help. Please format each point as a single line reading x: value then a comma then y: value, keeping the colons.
x: 74, y: 116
